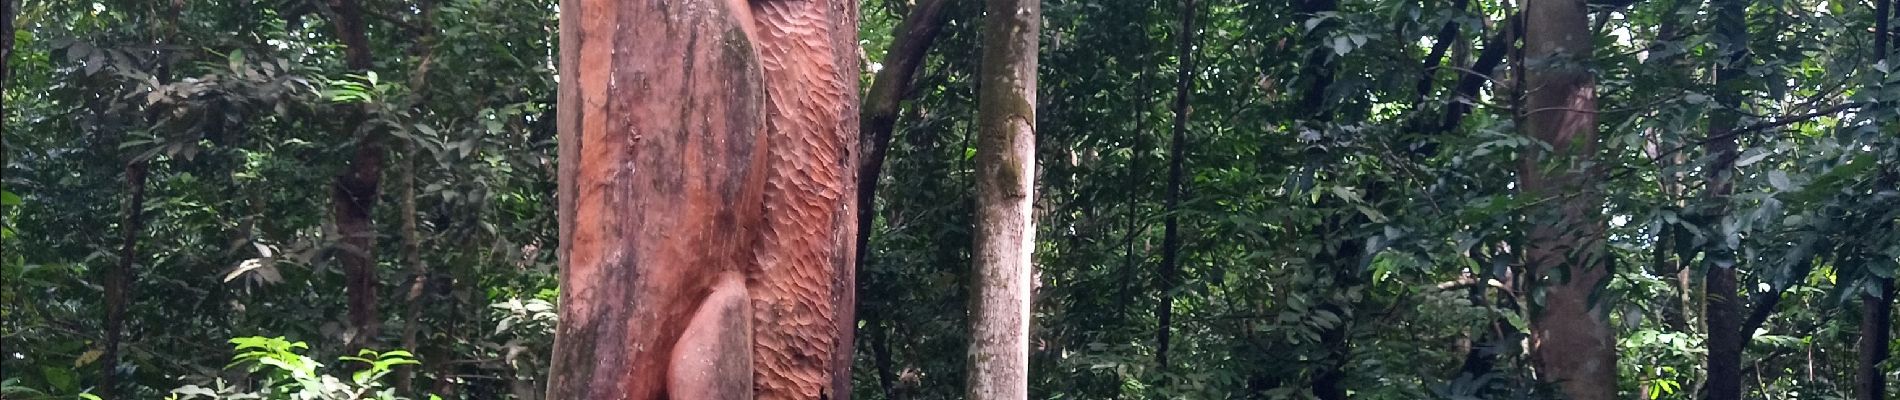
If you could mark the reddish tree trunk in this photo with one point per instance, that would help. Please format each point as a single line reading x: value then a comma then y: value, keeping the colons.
x: 706, y: 221
x: 1571, y: 341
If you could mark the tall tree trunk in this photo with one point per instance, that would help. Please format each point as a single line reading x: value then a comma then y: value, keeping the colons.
x: 1177, y: 158
x: 1666, y: 262
x: 411, y: 237
x: 1137, y: 184
x: 1726, y: 340
x: 1336, y: 262
x: 881, y: 356
x: 699, y: 262
x: 1005, y: 191
x: 118, y: 280
x: 914, y: 34
x: 1876, y: 328
x: 1572, y: 344
x: 1876, y: 321
x: 353, y: 195
x: 806, y: 260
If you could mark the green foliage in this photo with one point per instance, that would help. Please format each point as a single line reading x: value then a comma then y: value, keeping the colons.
x: 1346, y: 234
x: 281, y: 372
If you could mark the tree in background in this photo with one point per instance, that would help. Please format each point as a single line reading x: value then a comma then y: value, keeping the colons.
x: 1566, y: 260
x: 1350, y: 221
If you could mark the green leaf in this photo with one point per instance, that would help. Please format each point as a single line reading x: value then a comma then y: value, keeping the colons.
x: 235, y: 60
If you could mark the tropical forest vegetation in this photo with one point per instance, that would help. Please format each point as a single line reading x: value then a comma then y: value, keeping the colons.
x: 948, y: 199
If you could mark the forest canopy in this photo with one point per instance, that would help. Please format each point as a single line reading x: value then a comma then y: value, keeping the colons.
x: 1299, y: 199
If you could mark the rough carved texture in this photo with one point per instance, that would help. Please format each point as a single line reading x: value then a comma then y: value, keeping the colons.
x: 705, y: 197
x: 1571, y: 341
x: 801, y: 290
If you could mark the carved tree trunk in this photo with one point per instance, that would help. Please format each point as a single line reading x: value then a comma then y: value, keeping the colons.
x: 1571, y: 341
x: 1005, y: 189
x: 707, y: 150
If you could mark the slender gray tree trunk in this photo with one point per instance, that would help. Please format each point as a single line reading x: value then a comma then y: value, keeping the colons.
x: 1170, y: 231
x: 1005, y: 176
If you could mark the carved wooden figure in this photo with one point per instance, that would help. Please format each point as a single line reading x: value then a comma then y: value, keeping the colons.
x: 706, y: 197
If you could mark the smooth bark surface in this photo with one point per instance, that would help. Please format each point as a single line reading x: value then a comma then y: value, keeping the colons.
x: 1005, y: 176
x: 1572, y: 344
x: 706, y: 220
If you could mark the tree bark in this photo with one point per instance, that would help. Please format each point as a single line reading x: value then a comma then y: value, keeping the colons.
x: 1876, y: 321
x: 118, y: 280
x: 706, y: 220
x: 1572, y: 344
x: 1726, y: 339
x: 411, y: 236
x: 1177, y: 158
x: 915, y: 34
x: 1876, y: 328
x: 353, y: 194
x: 1440, y: 44
x: 1465, y: 94
x: 1005, y: 190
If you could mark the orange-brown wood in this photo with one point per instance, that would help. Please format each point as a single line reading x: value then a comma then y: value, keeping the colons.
x: 705, y: 196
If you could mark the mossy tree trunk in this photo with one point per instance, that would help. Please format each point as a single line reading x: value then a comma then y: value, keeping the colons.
x: 1005, y: 190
